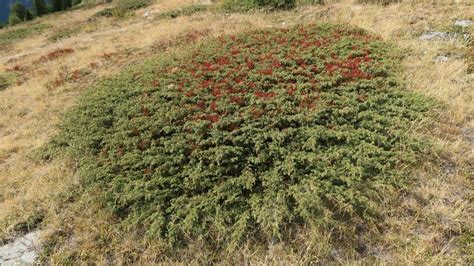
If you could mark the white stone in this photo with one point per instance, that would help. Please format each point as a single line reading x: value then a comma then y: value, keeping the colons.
x: 441, y: 58
x: 22, y: 250
x: 463, y: 22
x: 443, y: 36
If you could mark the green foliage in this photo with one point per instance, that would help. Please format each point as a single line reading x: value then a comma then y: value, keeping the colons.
x: 278, y: 4
x: 238, y: 5
x: 19, y: 13
x: 107, y: 12
x: 122, y: 8
x: 76, y: 2
x: 8, y: 79
x: 66, y: 4
x: 131, y: 4
x: 379, y: 2
x: 13, y: 20
x: 40, y: 7
x: 246, y: 137
x: 10, y: 35
x: 65, y: 33
x: 244, y: 5
x: 57, y: 5
x: 4, y: 82
x: 185, y: 11
x: 308, y: 2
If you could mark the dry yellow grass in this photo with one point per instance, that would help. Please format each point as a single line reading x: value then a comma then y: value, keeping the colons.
x: 428, y: 226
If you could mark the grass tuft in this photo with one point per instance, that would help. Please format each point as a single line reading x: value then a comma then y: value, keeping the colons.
x: 8, y: 79
x: 64, y: 34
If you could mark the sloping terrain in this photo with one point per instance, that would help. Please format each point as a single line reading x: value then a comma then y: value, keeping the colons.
x: 46, y: 68
x: 247, y: 137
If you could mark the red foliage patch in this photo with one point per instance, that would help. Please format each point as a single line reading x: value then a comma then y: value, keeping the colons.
x: 265, y: 67
x: 54, y: 55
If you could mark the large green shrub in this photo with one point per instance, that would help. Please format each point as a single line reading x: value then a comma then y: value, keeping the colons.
x: 248, y: 137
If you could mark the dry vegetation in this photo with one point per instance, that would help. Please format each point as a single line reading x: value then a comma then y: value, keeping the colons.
x: 433, y: 224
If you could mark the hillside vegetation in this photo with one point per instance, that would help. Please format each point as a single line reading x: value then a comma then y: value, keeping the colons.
x: 184, y: 131
x: 248, y: 136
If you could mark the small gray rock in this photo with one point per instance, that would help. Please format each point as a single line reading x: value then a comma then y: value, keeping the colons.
x: 441, y: 58
x: 22, y: 250
x: 443, y: 36
x: 463, y: 22
x: 435, y: 35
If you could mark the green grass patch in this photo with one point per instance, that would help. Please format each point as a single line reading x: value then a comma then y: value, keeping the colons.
x: 123, y: 8
x: 7, y: 79
x: 247, y: 137
x: 245, y: 5
x: 184, y: 11
x: 65, y: 33
x: 4, y: 83
x: 11, y: 35
x: 379, y: 2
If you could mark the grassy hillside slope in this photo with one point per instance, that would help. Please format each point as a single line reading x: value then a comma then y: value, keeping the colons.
x: 47, y: 67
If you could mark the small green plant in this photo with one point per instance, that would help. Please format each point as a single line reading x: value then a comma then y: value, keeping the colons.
x: 127, y: 5
x: 76, y: 2
x: 277, y: 4
x: 7, y: 79
x: 237, y: 5
x: 14, y: 20
x: 4, y: 82
x: 107, y: 12
x: 244, y: 5
x: 65, y: 33
x: 122, y: 8
x: 185, y: 11
x: 308, y: 2
x: 379, y: 2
